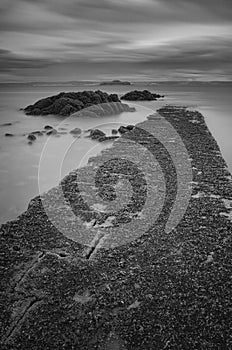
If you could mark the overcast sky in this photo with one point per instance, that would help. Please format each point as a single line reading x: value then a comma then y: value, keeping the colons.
x: 49, y: 40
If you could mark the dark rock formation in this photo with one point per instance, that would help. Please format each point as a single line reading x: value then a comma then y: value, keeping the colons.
x: 93, y: 104
x: 31, y: 137
x: 144, y: 95
x: 76, y: 131
x: 95, y: 134
x: 114, y: 131
x: 115, y: 82
x: 8, y: 134
x: 48, y: 127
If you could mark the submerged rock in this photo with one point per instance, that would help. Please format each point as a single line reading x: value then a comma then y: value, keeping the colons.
x: 6, y: 124
x: 114, y: 131
x: 9, y: 134
x: 144, y: 95
x: 76, y: 131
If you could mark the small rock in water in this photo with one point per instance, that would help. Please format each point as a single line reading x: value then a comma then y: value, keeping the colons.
x: 114, y: 131
x: 95, y: 134
x: 31, y: 137
x: 52, y: 132
x: 48, y: 127
x: 8, y: 134
x: 76, y: 131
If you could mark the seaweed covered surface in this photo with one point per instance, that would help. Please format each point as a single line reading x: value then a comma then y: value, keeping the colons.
x: 159, y: 291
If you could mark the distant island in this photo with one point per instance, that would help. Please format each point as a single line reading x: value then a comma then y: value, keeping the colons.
x: 144, y: 95
x: 93, y: 103
x: 115, y: 82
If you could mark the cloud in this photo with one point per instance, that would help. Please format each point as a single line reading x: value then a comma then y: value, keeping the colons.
x: 47, y: 37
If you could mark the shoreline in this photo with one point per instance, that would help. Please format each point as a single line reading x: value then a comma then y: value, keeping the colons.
x: 187, y: 299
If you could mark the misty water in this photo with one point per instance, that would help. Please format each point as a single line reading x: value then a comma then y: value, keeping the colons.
x: 19, y: 161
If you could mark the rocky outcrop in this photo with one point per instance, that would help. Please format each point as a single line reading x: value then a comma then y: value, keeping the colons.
x: 144, y: 95
x: 91, y: 103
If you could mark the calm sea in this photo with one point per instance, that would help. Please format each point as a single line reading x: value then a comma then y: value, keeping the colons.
x: 19, y: 161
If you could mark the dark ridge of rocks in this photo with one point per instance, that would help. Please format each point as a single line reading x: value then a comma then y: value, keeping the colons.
x: 9, y: 134
x: 161, y: 291
x: 144, y: 95
x: 90, y: 103
x: 115, y: 82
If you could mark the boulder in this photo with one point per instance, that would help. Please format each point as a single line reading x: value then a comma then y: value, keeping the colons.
x: 114, y: 131
x: 48, y: 127
x: 8, y: 134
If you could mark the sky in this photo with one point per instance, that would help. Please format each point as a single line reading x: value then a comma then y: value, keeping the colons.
x: 137, y: 40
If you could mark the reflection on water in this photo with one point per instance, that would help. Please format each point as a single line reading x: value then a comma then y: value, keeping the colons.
x: 20, y: 161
